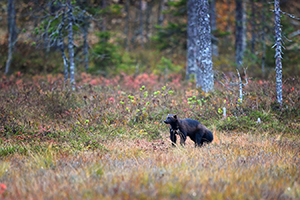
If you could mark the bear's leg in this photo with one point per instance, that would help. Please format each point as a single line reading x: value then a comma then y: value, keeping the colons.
x: 182, y: 138
x: 173, y: 137
x: 198, y: 140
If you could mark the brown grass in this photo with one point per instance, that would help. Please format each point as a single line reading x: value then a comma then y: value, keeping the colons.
x: 235, y: 166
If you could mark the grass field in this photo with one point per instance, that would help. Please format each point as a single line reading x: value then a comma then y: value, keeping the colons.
x: 244, y: 166
x: 108, y: 142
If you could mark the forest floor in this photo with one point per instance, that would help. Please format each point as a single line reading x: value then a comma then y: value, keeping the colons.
x: 106, y: 140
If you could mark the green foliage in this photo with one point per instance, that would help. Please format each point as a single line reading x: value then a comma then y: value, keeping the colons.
x: 170, y: 36
x: 128, y: 64
x: 177, y: 8
x: 10, y: 150
x: 174, y: 33
x: 166, y: 66
x: 106, y: 53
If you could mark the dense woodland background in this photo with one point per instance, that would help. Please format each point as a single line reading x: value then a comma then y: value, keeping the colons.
x: 85, y: 86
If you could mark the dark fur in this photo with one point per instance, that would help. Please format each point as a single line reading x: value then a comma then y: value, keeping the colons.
x: 188, y: 127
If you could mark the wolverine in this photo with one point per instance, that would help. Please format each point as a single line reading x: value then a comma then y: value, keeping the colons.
x: 188, y: 127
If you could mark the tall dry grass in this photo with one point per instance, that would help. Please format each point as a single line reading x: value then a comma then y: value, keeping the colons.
x: 234, y: 166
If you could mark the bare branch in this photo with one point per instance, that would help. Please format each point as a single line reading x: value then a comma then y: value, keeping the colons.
x: 290, y: 15
x: 295, y: 33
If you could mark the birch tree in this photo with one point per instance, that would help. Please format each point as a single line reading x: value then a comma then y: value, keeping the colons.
x: 278, y: 52
x: 204, y: 56
x: 71, y: 44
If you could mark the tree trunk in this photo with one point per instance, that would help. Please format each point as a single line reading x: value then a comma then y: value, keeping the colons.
x: 71, y: 46
x: 213, y: 26
x: 191, y: 37
x: 141, y: 24
x: 127, y: 25
x: 204, y: 57
x: 160, y: 17
x: 253, y: 26
x: 12, y: 35
x: 278, y: 52
x: 263, y: 41
x: 47, y: 39
x: 85, y: 44
x: 240, y: 31
x: 228, y: 25
x: 136, y: 25
x: 244, y: 25
x: 148, y: 17
x: 104, y: 16
x: 62, y: 49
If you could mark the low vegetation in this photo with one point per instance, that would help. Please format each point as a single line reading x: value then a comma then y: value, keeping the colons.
x: 106, y: 140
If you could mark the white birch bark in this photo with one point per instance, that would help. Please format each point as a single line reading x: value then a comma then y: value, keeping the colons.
x: 71, y: 45
x: 278, y: 52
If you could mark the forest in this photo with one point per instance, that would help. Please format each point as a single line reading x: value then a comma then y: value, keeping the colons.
x: 86, y: 86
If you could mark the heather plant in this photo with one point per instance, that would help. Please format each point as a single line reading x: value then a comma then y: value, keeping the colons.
x: 46, y: 106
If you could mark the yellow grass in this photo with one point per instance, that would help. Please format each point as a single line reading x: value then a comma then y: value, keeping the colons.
x: 234, y: 166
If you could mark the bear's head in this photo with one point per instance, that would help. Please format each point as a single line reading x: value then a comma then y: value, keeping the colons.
x: 171, y: 119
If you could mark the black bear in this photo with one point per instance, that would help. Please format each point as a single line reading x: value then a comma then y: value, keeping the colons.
x: 188, y: 127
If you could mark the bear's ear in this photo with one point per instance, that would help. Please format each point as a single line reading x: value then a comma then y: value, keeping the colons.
x: 175, y: 116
